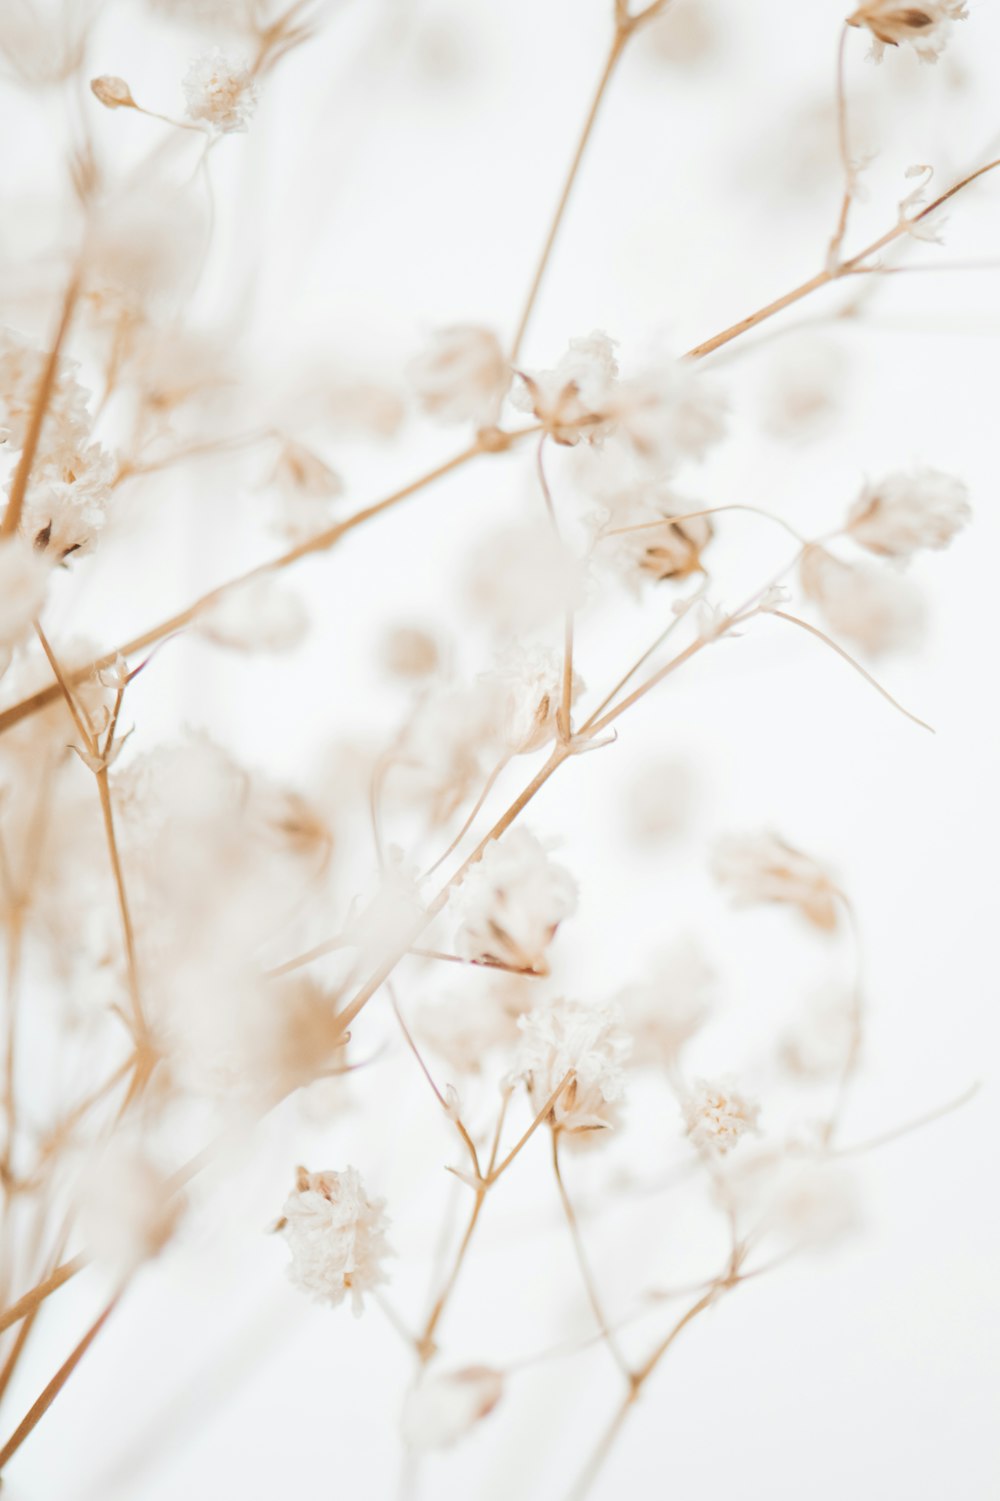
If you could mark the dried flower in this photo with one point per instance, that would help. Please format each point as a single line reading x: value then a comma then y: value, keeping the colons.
x: 221, y: 90
x: 907, y: 511
x: 463, y: 376
x: 666, y: 414
x: 464, y: 1030
x: 587, y: 1041
x: 572, y: 399
x: 529, y: 681
x: 924, y: 24
x: 717, y: 1115
x: 763, y: 868
x: 68, y: 500
x: 643, y: 540
x: 512, y: 901
x: 877, y: 610
x: 337, y: 1237
x: 817, y: 1044
x: 113, y: 93
x: 408, y: 652
x: 128, y: 1210
x: 444, y: 1406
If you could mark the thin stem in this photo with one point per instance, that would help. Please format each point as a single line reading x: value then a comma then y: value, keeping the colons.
x: 41, y: 1406
x: 828, y: 641
x: 584, y: 1264
x: 128, y: 932
x: 617, y: 47
x: 833, y: 254
x: 494, y: 1173
x: 320, y: 543
x: 491, y: 780
x: 44, y: 1289
x: 39, y: 411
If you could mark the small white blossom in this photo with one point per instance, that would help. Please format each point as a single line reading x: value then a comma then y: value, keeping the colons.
x: 587, y: 1041
x: 442, y: 1407
x: 529, y: 683
x: 904, y: 512
x: 66, y: 507
x: 464, y: 1029
x: 666, y: 414
x: 513, y: 900
x: 337, y: 1237
x: 924, y: 24
x: 717, y: 1115
x: 220, y: 90
x: 763, y: 868
x: 817, y: 1045
x: 641, y: 536
x: 463, y: 376
x: 571, y: 400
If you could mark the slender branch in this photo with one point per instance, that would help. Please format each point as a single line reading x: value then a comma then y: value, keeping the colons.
x: 617, y: 47
x: 829, y: 641
x: 39, y: 411
x: 584, y: 1263
x: 31, y: 1300
x: 41, y: 1406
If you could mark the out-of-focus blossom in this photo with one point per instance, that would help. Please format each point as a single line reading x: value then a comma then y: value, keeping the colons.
x: 871, y: 607
x: 444, y: 1406
x: 256, y: 616
x: 717, y: 1115
x: 925, y: 25
x: 904, y: 512
x: 763, y: 868
x: 462, y: 376
x: 221, y: 90
x: 512, y: 901
x: 665, y: 1011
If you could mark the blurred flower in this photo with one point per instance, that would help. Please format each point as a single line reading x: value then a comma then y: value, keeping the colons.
x: 255, y: 616
x: 464, y: 1029
x: 24, y: 582
x: 877, y: 610
x: 763, y: 868
x: 463, y: 376
x: 128, y: 1210
x: 337, y: 1237
x: 220, y: 90
x: 512, y: 900
x: 905, y: 512
x: 665, y: 1011
x: 529, y: 681
x: 717, y: 1115
x: 442, y: 1407
x: 570, y: 400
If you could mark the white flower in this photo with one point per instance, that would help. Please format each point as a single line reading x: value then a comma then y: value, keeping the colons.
x: 924, y: 24
x: 716, y: 1115
x: 904, y: 512
x: 529, y: 681
x: 66, y: 507
x: 819, y: 1042
x: 513, y: 900
x: 221, y: 90
x: 24, y: 580
x: 571, y: 400
x: 336, y: 1235
x: 444, y: 1406
x: 463, y: 376
x: 665, y: 1011
x: 877, y: 610
x: 645, y: 543
x: 569, y: 1037
x: 763, y: 868
x: 255, y: 616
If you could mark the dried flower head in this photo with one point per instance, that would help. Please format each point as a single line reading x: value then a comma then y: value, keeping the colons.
x: 763, y: 868
x: 112, y: 92
x: 337, y: 1237
x: 588, y: 1042
x: 643, y: 541
x: 256, y: 616
x: 512, y: 901
x: 221, y: 90
x: 529, y: 682
x: 873, y: 608
x: 571, y: 400
x: 904, y: 512
x: 717, y: 1115
x: 925, y: 25
x: 444, y: 1406
x: 466, y: 1030
x: 128, y: 1209
x: 463, y: 376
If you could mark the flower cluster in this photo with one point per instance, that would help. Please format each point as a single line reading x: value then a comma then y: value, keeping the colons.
x: 512, y: 901
x: 337, y: 1237
x: 583, y: 1045
x: 221, y: 90
x: 717, y: 1115
x: 763, y: 868
x: 924, y: 25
